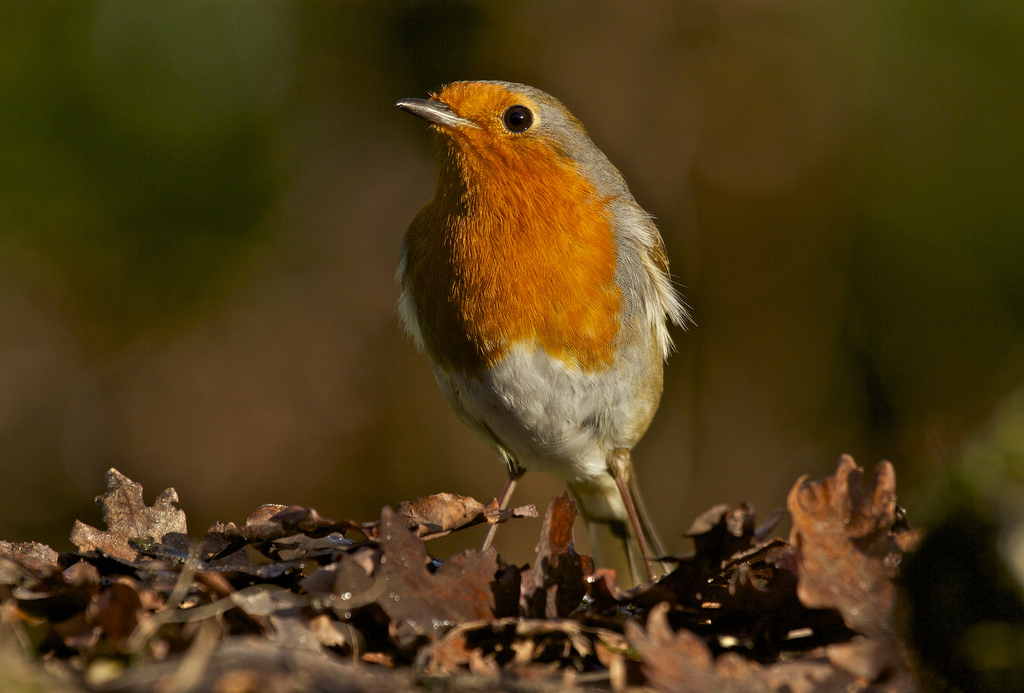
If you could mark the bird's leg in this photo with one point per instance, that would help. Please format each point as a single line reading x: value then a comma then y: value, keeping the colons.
x: 621, y: 468
x: 506, y: 495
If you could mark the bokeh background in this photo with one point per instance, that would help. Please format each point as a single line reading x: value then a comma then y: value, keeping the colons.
x: 201, y: 206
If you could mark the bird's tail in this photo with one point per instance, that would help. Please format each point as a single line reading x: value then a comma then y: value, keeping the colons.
x: 613, y: 540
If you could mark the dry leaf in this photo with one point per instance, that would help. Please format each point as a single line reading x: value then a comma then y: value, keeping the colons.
x: 128, y: 518
x: 421, y: 603
x: 555, y: 585
x: 846, y: 551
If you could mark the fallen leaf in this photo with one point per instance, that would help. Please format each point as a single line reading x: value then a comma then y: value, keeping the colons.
x: 31, y: 559
x: 680, y: 661
x: 441, y: 512
x: 118, y: 610
x: 721, y: 531
x: 847, y: 542
x: 555, y: 585
x: 272, y: 521
x: 447, y: 656
x: 845, y: 548
x: 60, y: 596
x: 435, y: 516
x: 421, y: 603
x: 128, y: 518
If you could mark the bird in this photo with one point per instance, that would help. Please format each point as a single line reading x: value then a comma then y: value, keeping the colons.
x: 540, y: 291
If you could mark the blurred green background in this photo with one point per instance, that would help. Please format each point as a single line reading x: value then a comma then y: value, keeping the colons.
x: 201, y: 206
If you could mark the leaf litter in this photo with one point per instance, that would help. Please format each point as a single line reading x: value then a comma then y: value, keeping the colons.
x: 293, y: 601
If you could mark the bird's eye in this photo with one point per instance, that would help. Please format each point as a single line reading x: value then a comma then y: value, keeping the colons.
x: 517, y: 118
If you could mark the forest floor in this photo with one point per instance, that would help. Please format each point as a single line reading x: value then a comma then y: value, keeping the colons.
x: 293, y: 601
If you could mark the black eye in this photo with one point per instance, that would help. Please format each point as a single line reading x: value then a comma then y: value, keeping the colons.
x: 517, y: 118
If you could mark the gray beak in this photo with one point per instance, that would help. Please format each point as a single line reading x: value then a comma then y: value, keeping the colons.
x: 436, y: 112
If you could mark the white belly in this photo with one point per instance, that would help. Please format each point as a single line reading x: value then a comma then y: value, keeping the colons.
x: 551, y: 416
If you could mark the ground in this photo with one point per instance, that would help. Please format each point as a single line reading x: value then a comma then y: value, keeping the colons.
x: 293, y: 601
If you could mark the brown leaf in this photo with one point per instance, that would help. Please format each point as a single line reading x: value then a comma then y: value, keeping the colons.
x: 507, y: 587
x: 61, y: 595
x: 296, y: 519
x: 118, y: 609
x: 283, y: 534
x: 721, y: 531
x: 442, y: 513
x: 423, y: 604
x: 127, y: 517
x: 720, y: 535
x: 680, y: 661
x: 77, y: 633
x: 846, y: 550
x: 447, y: 656
x: 273, y: 521
x: 349, y: 583
x: 555, y: 585
x: 34, y: 558
x: 26, y: 564
x: 520, y: 648
x: 758, y: 607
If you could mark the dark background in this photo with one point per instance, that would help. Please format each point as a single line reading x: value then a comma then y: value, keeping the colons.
x: 201, y: 206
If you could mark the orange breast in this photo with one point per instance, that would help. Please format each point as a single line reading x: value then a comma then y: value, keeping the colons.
x: 514, y: 247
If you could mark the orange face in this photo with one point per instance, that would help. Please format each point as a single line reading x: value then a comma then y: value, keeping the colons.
x: 515, y: 246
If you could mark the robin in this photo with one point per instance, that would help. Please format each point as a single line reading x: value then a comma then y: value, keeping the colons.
x: 540, y: 291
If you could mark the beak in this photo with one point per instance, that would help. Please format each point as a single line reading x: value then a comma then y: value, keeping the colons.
x: 436, y: 112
